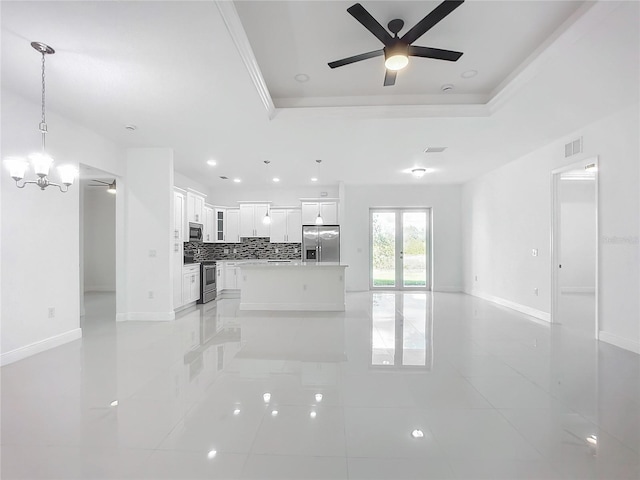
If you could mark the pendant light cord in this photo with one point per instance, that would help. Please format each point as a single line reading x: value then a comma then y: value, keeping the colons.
x: 43, y: 124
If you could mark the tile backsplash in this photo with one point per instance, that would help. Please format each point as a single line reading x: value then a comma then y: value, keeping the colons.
x: 249, y: 248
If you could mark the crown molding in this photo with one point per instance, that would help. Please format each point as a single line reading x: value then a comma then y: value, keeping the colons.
x: 583, y: 21
x: 234, y: 26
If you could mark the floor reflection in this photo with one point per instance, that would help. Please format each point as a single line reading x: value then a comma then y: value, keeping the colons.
x: 401, y: 330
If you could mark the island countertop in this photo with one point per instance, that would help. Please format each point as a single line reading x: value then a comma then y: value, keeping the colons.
x: 274, y: 263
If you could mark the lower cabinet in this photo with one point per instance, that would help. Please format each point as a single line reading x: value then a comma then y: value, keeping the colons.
x: 190, y: 284
x: 220, y: 277
x: 231, y: 277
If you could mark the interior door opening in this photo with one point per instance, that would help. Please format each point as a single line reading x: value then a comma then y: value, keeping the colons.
x: 400, y: 248
x: 575, y: 252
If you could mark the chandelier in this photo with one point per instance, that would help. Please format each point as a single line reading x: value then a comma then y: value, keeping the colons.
x: 41, y: 161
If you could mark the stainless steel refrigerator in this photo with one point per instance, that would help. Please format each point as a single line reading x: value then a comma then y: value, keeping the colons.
x: 321, y: 243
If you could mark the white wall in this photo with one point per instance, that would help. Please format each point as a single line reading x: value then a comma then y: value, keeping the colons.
x: 507, y: 213
x: 40, y: 259
x: 446, y: 243
x: 99, y: 240
x: 148, y: 192
x: 280, y: 195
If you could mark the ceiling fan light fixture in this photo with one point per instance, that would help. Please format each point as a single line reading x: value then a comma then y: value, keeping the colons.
x: 112, y: 188
x: 396, y: 56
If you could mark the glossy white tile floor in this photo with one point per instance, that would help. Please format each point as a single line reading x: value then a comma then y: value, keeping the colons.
x: 225, y: 394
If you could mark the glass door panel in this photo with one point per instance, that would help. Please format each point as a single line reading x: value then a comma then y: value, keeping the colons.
x: 414, y: 249
x: 383, y: 249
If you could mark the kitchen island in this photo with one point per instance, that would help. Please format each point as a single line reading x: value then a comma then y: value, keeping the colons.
x: 296, y: 286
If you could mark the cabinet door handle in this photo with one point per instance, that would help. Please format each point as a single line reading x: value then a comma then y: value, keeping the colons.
x: 175, y: 248
x: 175, y: 235
x: 196, y: 217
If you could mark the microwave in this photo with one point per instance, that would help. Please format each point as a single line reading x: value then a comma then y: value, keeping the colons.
x: 195, y: 232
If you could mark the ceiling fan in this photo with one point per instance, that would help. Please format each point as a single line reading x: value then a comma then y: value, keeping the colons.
x: 397, y: 50
x: 111, y: 187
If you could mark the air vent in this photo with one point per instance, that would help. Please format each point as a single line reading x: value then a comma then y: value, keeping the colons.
x: 573, y: 148
x: 434, y: 149
x: 223, y: 177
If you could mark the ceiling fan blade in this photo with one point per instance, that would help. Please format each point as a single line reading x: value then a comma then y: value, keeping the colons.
x: 356, y: 58
x: 390, y: 77
x: 89, y: 185
x: 358, y: 12
x: 436, y: 53
x: 100, y: 181
x: 436, y: 15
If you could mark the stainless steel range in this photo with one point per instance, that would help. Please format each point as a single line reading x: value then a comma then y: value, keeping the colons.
x: 207, y: 281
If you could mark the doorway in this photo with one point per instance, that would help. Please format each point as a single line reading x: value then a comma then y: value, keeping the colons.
x: 400, y: 243
x: 97, y: 246
x: 574, y: 283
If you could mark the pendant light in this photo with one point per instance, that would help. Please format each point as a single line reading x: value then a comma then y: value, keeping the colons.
x: 319, y: 220
x: 41, y: 161
x: 267, y: 218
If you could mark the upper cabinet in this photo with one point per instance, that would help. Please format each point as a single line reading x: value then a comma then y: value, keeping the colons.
x: 209, y: 235
x: 328, y: 211
x: 286, y: 225
x: 220, y: 218
x: 251, y: 220
x: 195, y: 206
x: 232, y: 227
x: 178, y: 215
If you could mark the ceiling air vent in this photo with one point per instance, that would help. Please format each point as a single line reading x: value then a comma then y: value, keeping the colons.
x: 434, y: 149
x: 573, y: 148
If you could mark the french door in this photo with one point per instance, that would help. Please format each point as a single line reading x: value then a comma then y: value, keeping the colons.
x: 400, y: 248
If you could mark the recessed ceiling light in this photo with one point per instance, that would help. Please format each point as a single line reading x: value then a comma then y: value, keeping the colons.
x: 447, y: 87
x: 237, y: 180
x: 266, y: 397
x: 314, y: 179
x: 469, y: 74
x: 212, y: 163
x: 276, y: 179
x: 130, y: 127
x: 417, y: 433
x: 312, y: 414
x: 274, y: 413
x: 211, y: 454
x: 418, y: 172
x: 302, y: 77
x: 114, y: 403
x: 318, y: 397
x: 236, y: 411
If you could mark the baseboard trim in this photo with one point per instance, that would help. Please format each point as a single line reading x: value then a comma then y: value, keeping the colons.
x: 450, y: 289
x: 619, y: 341
x: 40, y: 346
x: 579, y: 290
x: 145, y: 317
x: 532, y: 312
x: 299, y: 307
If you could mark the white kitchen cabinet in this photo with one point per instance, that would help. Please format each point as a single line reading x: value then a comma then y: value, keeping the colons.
x: 251, y: 220
x: 220, y: 276
x: 190, y: 283
x: 232, y: 228
x: 220, y: 230
x: 328, y: 211
x: 195, y: 206
x: 177, y: 239
x: 231, y: 276
x: 209, y: 233
x: 286, y: 225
